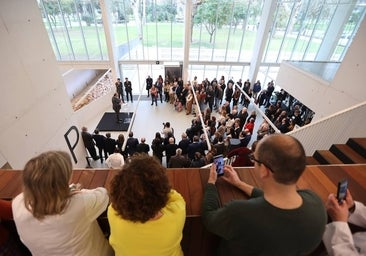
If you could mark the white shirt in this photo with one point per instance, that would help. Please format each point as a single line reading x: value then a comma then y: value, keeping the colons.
x: 166, y: 131
x: 115, y: 161
x: 338, y: 239
x: 74, y: 232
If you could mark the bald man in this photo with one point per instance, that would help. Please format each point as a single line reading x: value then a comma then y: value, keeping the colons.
x: 277, y: 219
x: 170, y: 150
x: 142, y: 147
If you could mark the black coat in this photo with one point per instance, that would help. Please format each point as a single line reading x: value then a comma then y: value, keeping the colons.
x: 110, y: 145
x: 131, y: 145
x: 99, y: 140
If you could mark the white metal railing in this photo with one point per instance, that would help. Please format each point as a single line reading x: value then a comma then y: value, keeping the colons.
x: 200, y: 115
x: 334, y: 129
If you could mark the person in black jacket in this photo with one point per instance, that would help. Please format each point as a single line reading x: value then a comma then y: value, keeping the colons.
x: 110, y: 144
x: 131, y: 144
x: 119, y: 89
x: 100, y: 143
x: 184, y: 143
x: 128, y: 89
x: 158, y: 147
x: 89, y: 143
x: 170, y: 149
x: 116, y: 104
x: 149, y: 82
x: 142, y: 147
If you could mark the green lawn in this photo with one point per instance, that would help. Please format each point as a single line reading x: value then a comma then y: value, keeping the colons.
x: 165, y: 35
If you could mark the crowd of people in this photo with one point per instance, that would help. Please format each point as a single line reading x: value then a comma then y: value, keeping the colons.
x: 225, y: 98
x: 222, y: 96
x: 191, y: 149
x: 226, y: 120
x: 146, y: 216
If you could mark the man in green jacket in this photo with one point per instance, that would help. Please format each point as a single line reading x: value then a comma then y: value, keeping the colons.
x: 277, y: 220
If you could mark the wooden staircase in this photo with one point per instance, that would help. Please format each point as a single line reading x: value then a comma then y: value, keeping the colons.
x: 353, y: 152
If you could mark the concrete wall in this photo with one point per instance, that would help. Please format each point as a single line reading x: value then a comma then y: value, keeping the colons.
x: 35, y: 110
x: 324, y: 98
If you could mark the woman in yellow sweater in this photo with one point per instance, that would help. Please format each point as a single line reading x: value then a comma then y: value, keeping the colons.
x: 146, y: 216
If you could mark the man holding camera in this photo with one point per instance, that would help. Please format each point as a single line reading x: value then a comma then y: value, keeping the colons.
x: 277, y: 219
x: 167, y: 130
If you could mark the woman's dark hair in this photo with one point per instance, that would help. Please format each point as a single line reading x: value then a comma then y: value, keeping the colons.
x: 140, y: 190
x: 157, y: 135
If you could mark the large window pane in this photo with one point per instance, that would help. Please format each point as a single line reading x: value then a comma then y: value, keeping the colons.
x: 152, y: 31
x: 75, y: 29
x: 223, y: 39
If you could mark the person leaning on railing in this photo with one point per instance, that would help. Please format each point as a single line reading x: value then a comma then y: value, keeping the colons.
x: 53, y: 218
x: 146, y: 216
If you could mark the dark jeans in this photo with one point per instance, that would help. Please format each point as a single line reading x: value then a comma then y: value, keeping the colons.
x: 129, y: 94
x: 120, y: 95
x: 117, y: 114
x: 166, y: 94
x: 101, y: 149
x: 93, y: 152
x: 161, y: 96
x: 154, y: 99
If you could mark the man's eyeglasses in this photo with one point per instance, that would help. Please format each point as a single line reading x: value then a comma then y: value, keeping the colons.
x: 253, y: 159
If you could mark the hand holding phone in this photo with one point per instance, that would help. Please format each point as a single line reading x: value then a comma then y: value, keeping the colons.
x: 342, y: 190
x: 219, y: 162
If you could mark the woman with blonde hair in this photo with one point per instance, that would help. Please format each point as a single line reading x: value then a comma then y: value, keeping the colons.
x: 53, y: 218
x: 146, y: 216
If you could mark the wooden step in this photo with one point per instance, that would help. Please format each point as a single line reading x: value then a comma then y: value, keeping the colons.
x: 358, y: 145
x: 311, y: 161
x: 326, y: 157
x: 346, y: 154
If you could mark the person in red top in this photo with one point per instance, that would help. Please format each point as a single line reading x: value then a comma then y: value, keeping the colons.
x: 9, y: 244
x: 250, y: 125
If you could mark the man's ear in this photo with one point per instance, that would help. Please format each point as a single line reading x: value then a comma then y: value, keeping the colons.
x: 264, y: 172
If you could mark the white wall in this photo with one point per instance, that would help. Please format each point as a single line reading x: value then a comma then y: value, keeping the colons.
x: 35, y: 110
x: 350, y: 78
x: 346, y: 90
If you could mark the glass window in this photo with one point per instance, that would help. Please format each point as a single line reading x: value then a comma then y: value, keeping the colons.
x: 223, y: 33
x: 75, y: 29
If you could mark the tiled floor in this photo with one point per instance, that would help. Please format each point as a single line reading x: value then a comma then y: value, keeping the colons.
x: 148, y: 120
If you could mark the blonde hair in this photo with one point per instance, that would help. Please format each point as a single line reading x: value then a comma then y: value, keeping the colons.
x: 46, y: 183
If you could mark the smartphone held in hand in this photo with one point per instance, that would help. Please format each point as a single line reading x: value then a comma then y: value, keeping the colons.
x: 219, y: 162
x: 342, y: 190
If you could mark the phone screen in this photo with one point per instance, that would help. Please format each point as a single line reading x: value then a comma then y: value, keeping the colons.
x: 219, y: 162
x: 342, y: 190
